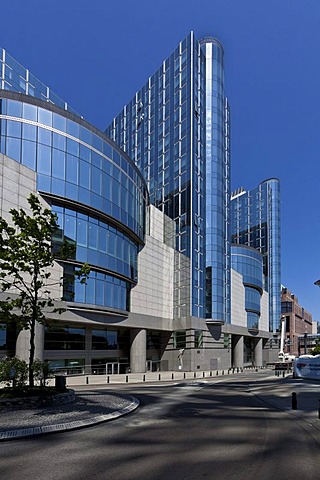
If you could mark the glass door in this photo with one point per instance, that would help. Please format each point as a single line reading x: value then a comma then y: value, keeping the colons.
x: 112, y: 368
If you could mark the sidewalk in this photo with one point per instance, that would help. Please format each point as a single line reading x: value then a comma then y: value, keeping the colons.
x: 277, y: 393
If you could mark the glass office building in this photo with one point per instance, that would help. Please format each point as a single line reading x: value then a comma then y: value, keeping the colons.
x: 152, y: 193
x: 95, y: 189
x: 176, y: 130
x: 255, y: 221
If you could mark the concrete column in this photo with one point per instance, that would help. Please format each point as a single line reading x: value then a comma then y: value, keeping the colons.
x: 258, y: 353
x: 88, y: 351
x: 23, y: 343
x: 238, y: 352
x: 138, y: 350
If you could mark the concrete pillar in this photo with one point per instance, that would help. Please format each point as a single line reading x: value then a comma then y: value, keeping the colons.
x: 258, y: 353
x: 238, y: 352
x: 23, y: 343
x: 138, y: 350
x: 88, y: 351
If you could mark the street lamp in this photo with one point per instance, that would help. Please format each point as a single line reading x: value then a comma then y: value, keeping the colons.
x: 305, y: 341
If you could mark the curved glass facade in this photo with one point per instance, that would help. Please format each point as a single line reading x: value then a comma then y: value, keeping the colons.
x: 16, y: 78
x: 255, y: 220
x: 217, y: 185
x: 96, y: 242
x: 249, y: 263
x: 96, y: 191
x: 74, y: 162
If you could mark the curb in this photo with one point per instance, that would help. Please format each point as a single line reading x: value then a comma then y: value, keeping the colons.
x: 60, y: 427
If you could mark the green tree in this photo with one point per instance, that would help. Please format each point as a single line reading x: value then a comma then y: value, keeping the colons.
x: 315, y: 350
x: 41, y: 371
x: 26, y: 258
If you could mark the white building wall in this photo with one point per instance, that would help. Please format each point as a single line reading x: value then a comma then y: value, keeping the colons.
x: 264, y: 318
x: 154, y: 293
x: 16, y: 184
x: 238, y: 310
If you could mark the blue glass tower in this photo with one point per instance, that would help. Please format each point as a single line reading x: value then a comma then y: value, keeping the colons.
x: 176, y: 129
x: 255, y: 221
x: 217, y: 185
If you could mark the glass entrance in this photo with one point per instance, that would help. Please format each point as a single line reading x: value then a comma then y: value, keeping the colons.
x: 112, y: 368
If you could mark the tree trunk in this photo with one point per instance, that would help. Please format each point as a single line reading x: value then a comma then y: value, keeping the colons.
x: 32, y: 350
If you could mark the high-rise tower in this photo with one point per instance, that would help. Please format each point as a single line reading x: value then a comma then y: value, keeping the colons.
x: 176, y: 130
x: 217, y: 185
x: 255, y: 221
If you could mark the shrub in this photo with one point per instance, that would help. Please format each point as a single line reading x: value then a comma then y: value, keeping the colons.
x: 41, y: 371
x: 14, y: 372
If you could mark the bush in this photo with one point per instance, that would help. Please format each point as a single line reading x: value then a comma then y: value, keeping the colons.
x: 14, y: 372
x: 41, y: 371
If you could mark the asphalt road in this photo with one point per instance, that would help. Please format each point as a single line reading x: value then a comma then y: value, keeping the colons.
x: 195, y: 431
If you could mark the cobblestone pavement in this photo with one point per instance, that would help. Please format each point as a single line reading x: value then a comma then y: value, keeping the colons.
x: 89, y: 408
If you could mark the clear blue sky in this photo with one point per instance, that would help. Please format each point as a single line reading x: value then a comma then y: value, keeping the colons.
x: 96, y: 54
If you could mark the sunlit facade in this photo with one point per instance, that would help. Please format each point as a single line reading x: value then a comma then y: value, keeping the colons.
x: 100, y: 199
x: 176, y: 129
x: 249, y: 263
x: 255, y: 221
x: 147, y: 205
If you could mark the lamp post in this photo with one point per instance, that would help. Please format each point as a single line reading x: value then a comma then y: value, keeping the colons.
x: 305, y: 341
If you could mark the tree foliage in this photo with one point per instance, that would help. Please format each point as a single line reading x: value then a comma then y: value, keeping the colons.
x: 41, y: 371
x: 26, y: 260
x: 315, y: 350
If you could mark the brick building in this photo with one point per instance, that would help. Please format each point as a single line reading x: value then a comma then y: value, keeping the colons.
x: 298, y: 321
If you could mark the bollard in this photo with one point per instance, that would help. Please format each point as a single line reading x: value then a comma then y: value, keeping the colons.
x: 203, y: 374
x: 222, y: 372
x: 294, y: 401
x: 319, y: 410
x: 108, y: 379
x: 144, y: 378
x: 217, y: 373
x: 87, y: 380
x: 184, y: 374
x: 127, y: 379
x: 60, y: 383
x: 195, y: 375
x: 210, y: 373
x: 159, y: 376
x: 172, y: 376
x: 283, y: 373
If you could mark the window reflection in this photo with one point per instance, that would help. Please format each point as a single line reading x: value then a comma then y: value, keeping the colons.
x: 97, y: 242
x: 103, y: 185
x: 100, y: 289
